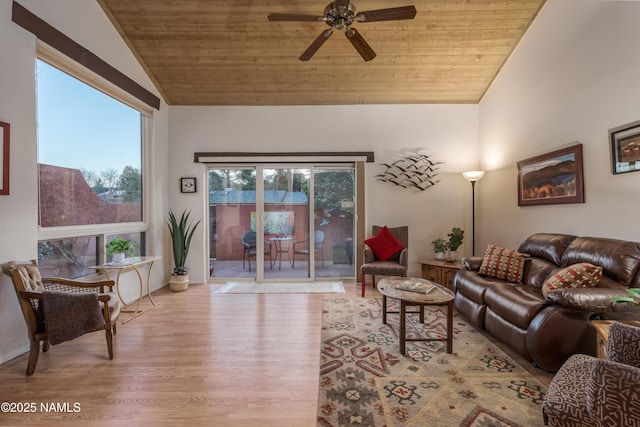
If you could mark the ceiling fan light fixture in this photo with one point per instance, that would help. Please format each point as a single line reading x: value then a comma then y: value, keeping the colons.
x: 339, y: 15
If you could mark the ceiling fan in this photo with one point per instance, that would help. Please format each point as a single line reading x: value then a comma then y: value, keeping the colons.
x: 339, y: 15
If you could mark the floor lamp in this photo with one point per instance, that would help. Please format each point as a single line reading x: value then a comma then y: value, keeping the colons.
x: 473, y: 177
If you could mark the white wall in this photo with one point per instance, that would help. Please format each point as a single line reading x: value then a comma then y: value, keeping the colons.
x: 575, y: 74
x: 448, y: 132
x: 84, y: 22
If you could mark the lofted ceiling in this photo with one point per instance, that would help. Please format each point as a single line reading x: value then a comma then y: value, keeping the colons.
x: 226, y: 52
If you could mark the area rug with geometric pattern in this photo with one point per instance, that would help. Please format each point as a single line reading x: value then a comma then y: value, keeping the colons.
x: 364, y: 381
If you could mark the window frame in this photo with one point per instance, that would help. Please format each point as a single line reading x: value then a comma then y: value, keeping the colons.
x: 67, y: 65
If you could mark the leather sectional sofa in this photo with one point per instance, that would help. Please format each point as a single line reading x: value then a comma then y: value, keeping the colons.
x: 548, y: 330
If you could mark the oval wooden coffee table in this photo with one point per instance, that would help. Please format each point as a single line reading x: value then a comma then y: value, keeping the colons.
x: 431, y: 294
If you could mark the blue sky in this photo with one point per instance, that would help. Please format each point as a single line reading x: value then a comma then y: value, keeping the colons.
x: 79, y: 127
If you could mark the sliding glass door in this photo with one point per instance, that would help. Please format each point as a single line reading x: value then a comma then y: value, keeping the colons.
x: 233, y: 242
x: 285, y: 216
x: 333, y: 220
x: 281, y: 222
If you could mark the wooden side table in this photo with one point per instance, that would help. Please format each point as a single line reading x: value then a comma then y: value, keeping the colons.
x: 440, y: 271
x: 602, y: 337
x: 437, y: 295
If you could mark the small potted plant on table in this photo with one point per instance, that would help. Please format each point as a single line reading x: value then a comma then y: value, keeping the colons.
x: 440, y: 246
x: 181, y: 233
x: 456, y: 237
x: 118, y: 248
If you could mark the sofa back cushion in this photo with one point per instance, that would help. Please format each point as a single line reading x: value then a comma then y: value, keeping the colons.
x: 619, y: 259
x: 537, y: 271
x: 549, y: 246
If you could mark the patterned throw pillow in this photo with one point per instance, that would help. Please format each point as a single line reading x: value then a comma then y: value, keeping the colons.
x: 501, y: 263
x: 384, y: 244
x: 581, y: 275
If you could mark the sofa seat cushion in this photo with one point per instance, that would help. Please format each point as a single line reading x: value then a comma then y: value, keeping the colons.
x: 472, y: 285
x: 518, y: 304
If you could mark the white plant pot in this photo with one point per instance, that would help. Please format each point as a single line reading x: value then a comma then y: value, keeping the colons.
x: 440, y: 255
x: 117, y: 257
x: 179, y: 283
x: 454, y: 255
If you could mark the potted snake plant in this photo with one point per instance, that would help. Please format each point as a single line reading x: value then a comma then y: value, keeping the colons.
x: 181, y: 234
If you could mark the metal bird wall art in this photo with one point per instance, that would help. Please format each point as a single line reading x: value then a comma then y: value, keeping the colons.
x: 413, y: 170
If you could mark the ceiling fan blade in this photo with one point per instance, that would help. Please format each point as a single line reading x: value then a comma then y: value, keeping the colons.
x: 294, y: 17
x: 313, y: 47
x: 360, y: 44
x: 390, y: 14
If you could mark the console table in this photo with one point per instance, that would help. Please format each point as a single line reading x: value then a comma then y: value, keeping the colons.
x: 440, y: 271
x: 135, y: 263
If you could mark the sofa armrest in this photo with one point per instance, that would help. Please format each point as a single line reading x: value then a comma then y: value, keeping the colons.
x: 612, y: 394
x: 594, y: 300
x: 473, y: 263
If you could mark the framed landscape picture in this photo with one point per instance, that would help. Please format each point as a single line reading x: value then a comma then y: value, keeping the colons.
x: 552, y: 178
x: 625, y: 148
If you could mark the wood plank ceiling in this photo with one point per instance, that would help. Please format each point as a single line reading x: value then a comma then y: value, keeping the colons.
x: 226, y: 52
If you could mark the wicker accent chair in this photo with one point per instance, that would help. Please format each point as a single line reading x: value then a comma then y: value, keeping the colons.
x: 394, y: 266
x: 249, y: 248
x: 592, y: 392
x: 302, y: 248
x: 32, y: 290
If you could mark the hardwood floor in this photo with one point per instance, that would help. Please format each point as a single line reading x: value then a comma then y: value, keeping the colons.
x: 199, y: 358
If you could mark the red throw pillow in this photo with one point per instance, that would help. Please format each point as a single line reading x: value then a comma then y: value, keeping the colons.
x: 384, y: 244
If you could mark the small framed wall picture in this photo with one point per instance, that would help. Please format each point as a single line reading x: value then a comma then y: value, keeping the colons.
x: 625, y: 148
x: 187, y: 185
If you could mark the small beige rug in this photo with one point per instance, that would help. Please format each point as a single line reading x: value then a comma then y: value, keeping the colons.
x: 281, y: 288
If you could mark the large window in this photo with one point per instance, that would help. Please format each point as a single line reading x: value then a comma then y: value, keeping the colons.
x: 91, y: 169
